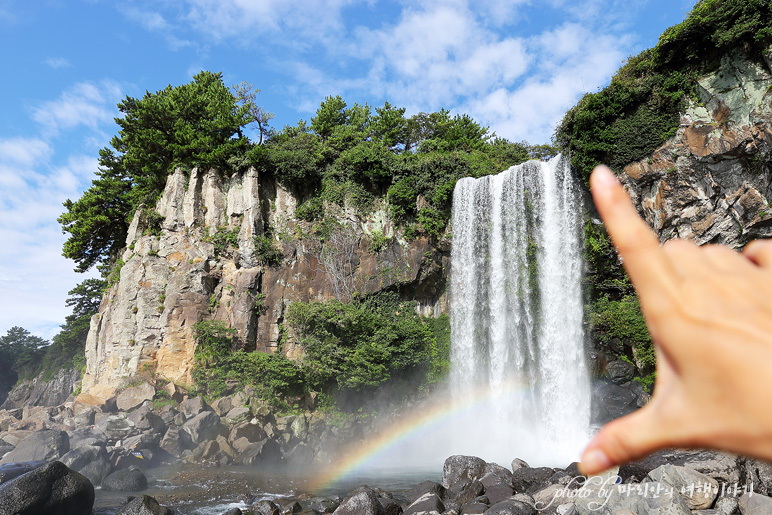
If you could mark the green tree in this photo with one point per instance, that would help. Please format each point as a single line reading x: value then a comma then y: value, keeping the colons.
x: 247, y: 96
x: 195, y: 124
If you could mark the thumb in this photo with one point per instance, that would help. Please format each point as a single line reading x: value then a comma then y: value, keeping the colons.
x: 625, y: 439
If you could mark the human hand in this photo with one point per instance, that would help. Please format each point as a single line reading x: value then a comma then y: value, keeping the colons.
x: 709, y: 312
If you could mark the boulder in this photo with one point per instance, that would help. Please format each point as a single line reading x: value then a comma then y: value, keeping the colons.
x: 427, y: 504
x: 130, y: 398
x: 494, y: 468
x: 499, y: 492
x: 760, y: 473
x: 755, y: 504
x: 475, y: 508
x: 528, y: 480
x: 728, y: 506
x: 125, y: 480
x: 238, y: 416
x: 610, y: 401
x: 118, y: 427
x: 517, y: 463
x: 87, y: 436
x: 12, y: 470
x: 364, y: 502
x: 144, y: 505
x: 469, y: 492
x: 300, y: 454
x: 51, y: 488
x: 266, y: 507
x: 698, y: 490
x: 204, y: 426
x: 390, y: 506
x: 222, y: 406
x: 91, y: 461
x: 45, y: 445
x: 458, y: 468
x: 265, y: 451
x: 144, y: 418
x: 327, y: 505
x: 421, y: 489
x: 620, y: 371
x: 174, y: 442
x: 192, y: 407
x: 252, y: 432
x: 510, y: 507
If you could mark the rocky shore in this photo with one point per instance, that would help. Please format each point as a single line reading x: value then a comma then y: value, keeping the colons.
x: 54, y: 457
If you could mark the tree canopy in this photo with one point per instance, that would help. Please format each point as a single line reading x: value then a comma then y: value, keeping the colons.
x: 195, y: 124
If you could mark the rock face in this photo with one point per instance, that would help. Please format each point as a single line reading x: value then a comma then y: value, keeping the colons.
x: 40, y: 392
x: 711, y: 183
x: 200, y: 263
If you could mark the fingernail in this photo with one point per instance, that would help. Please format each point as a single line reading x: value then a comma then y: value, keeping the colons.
x: 604, y: 176
x: 595, y: 460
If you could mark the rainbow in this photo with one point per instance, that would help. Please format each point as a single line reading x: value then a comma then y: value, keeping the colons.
x: 366, y: 452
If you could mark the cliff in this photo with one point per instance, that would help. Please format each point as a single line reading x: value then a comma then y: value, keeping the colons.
x: 711, y: 181
x: 200, y: 262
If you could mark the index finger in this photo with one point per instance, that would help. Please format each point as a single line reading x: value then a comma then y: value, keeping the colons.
x: 643, y: 258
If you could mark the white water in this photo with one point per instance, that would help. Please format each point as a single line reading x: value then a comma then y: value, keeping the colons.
x: 516, y: 316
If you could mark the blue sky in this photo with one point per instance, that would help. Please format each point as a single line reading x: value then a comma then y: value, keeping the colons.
x: 515, y: 65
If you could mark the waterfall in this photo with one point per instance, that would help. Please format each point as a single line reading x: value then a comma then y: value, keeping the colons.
x: 516, y: 315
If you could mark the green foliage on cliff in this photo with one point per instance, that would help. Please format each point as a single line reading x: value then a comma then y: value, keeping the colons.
x: 368, y: 342
x: 195, y: 124
x: 639, y: 110
x: 273, y: 376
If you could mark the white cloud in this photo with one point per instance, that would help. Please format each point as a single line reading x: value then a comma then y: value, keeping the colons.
x: 24, y: 151
x: 34, y: 276
x: 58, y: 62
x: 249, y: 19
x: 85, y: 104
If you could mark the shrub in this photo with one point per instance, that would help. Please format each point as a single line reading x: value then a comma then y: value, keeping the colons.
x: 266, y: 253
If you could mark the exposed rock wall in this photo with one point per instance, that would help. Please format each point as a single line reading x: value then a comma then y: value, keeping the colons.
x: 42, y: 392
x: 711, y: 182
x: 176, y: 276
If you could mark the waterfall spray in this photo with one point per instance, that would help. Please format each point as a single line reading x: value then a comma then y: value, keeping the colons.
x: 516, y: 314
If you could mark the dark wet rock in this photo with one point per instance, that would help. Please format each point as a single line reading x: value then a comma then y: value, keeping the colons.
x: 573, y: 469
x: 390, y: 506
x: 324, y: 505
x: 364, y: 502
x: 428, y: 503
x: 469, y: 492
x: 499, y: 492
x: 192, y: 407
x: 620, y: 371
x: 497, y: 470
x: 424, y: 488
x: 510, y: 507
x: 458, y: 468
x: 610, y: 401
x: 525, y: 498
x: 204, y: 426
x: 52, y: 488
x: 46, y: 445
x: 12, y: 470
x: 527, y: 480
x: 233, y: 511
x: 265, y: 507
x: 125, y: 480
x: 144, y: 505
x: 91, y: 461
